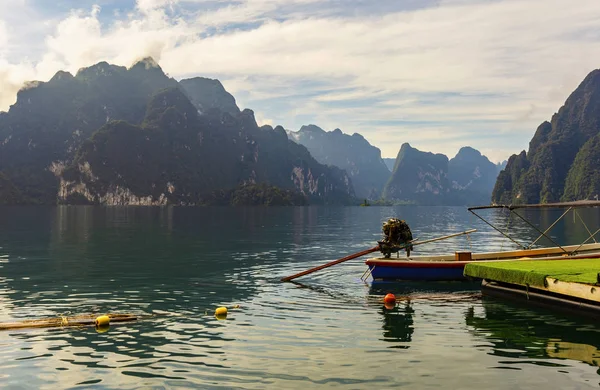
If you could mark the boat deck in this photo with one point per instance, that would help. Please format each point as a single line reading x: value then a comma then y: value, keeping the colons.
x: 590, y: 250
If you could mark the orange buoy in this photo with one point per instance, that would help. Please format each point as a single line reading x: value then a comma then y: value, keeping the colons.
x: 389, y: 298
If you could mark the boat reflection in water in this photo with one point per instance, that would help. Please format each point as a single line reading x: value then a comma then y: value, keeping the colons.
x: 520, y: 332
x: 398, y: 320
x: 406, y: 288
x: 398, y: 324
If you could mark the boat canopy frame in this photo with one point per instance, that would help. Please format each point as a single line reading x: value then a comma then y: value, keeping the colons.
x: 512, y: 209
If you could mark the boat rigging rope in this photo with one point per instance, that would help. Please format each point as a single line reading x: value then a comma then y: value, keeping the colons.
x: 507, y: 227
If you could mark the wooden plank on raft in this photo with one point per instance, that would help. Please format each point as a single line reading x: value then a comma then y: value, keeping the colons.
x: 81, y: 320
x: 572, y: 289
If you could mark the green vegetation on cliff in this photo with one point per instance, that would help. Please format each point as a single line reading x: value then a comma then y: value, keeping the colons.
x: 583, y: 180
x: 516, y: 166
x: 553, y: 169
x: 9, y: 194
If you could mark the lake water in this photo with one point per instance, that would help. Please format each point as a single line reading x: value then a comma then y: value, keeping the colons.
x: 172, y: 266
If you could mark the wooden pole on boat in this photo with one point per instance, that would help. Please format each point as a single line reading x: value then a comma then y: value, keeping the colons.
x: 310, y: 271
x: 367, y: 251
x: 443, y: 237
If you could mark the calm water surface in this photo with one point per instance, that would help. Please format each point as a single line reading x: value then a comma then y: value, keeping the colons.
x: 173, y: 265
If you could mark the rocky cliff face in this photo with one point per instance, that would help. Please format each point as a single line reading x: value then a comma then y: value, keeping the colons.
x: 354, y: 154
x: 427, y: 178
x: 547, y: 172
x: 180, y: 157
x: 420, y: 177
x: 470, y: 171
x: 111, y: 135
x: 50, y: 120
x: 207, y: 94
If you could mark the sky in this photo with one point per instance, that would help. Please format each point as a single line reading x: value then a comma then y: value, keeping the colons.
x: 436, y: 74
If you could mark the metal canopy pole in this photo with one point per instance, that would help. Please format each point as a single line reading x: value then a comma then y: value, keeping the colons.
x: 496, y: 229
x: 586, y: 227
x: 591, y: 236
x: 539, y: 231
x: 549, y: 228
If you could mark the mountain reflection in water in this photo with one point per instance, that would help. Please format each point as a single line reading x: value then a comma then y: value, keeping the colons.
x: 538, y: 335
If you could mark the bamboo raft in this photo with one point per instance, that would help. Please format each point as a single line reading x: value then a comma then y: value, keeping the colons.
x: 57, y: 322
x: 568, y: 285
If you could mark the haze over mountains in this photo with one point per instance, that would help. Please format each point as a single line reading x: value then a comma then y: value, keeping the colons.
x: 353, y: 153
x: 428, y: 178
x: 111, y: 135
x: 114, y: 135
x: 416, y: 177
x: 562, y: 163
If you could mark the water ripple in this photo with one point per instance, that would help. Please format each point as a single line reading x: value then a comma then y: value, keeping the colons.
x: 173, y: 267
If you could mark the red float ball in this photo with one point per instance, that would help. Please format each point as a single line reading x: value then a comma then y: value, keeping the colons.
x: 389, y: 298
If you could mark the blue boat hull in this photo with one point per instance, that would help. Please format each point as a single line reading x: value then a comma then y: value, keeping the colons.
x: 427, y: 274
x: 418, y: 271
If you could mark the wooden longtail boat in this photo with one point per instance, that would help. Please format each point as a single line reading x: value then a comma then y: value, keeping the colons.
x: 451, y: 266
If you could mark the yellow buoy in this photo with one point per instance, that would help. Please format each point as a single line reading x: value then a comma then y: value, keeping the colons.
x: 221, y: 311
x: 102, y: 320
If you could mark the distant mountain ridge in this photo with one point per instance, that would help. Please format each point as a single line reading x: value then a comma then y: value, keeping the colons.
x: 112, y: 135
x: 50, y: 120
x: 353, y: 153
x: 133, y: 136
x: 433, y: 179
x: 501, y: 165
x: 389, y: 163
x: 470, y: 171
x: 207, y: 94
x: 561, y: 163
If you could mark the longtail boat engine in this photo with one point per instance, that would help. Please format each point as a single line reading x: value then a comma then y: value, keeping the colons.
x: 397, y: 235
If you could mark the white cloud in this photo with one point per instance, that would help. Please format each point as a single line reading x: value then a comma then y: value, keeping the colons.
x: 470, y: 68
x: 3, y: 34
x: 261, y: 120
x: 150, y: 5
